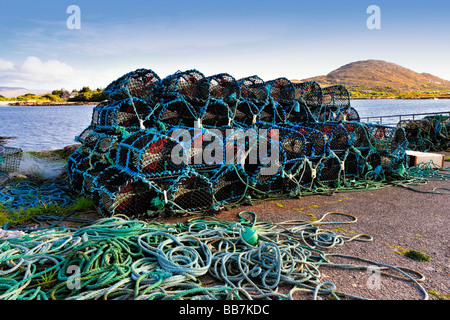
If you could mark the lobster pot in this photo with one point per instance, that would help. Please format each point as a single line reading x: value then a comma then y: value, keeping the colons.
x: 90, y: 175
x: 328, y: 172
x: 140, y: 84
x: 282, y: 91
x: 103, y: 144
x: 299, y: 113
x: 127, y: 113
x: 360, y: 137
x: 149, y: 155
x: 85, y: 134
x: 323, y: 114
x: 174, y: 110
x: 190, y: 192
x: 316, y: 142
x: 204, y: 148
x: 254, y: 89
x: 120, y: 193
x: 217, y: 113
x: 220, y: 86
x: 309, y: 93
x: 382, y: 162
x: 389, y: 139
x: 336, y: 97
x: 183, y: 83
x: 418, y: 133
x: 272, y: 112
x: 265, y: 171
x: 354, y: 166
x: 253, y: 148
x: 339, y: 140
x: 398, y: 142
x: 270, y: 182
x: 291, y: 141
x: 230, y: 184
x: 77, y: 164
x: 245, y: 113
x: 347, y: 114
x: 10, y: 159
x: 298, y: 176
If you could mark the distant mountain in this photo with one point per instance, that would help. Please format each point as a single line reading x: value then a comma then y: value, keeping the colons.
x: 378, y: 74
x: 10, y: 92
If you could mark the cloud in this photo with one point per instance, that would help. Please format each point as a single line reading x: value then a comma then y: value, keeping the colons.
x: 35, y: 73
x: 50, y: 70
x: 6, y: 65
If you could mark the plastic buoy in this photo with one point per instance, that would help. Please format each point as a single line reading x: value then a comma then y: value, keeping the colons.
x: 249, y: 235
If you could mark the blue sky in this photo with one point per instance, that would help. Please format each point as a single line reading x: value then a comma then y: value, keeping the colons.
x: 293, y: 39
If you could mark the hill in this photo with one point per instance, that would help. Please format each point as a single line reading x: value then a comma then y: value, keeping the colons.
x: 10, y: 92
x: 377, y: 78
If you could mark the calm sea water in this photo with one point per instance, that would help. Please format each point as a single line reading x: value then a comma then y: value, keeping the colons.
x: 54, y: 127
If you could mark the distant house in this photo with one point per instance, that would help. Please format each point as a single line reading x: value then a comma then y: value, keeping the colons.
x: 68, y: 95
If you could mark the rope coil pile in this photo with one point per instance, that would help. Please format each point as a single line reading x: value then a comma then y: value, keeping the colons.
x: 118, y: 258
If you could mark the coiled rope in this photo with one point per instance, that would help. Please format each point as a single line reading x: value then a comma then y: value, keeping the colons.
x: 118, y: 258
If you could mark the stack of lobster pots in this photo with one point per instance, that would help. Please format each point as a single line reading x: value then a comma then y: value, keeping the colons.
x: 194, y: 143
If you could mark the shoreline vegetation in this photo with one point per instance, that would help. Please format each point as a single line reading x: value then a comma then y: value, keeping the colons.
x: 61, y: 97
x: 86, y: 96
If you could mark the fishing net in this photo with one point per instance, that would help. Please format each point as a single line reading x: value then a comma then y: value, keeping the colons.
x: 10, y: 159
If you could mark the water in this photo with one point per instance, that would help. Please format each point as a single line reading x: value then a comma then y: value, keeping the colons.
x: 371, y: 108
x: 44, y: 127
x: 54, y: 127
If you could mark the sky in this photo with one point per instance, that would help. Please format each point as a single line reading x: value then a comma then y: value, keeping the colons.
x: 293, y: 39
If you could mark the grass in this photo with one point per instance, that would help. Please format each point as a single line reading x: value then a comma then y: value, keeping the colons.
x: 439, y: 295
x: 417, y: 255
x: 24, y: 216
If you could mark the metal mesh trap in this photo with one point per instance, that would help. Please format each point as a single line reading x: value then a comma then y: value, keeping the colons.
x: 10, y: 159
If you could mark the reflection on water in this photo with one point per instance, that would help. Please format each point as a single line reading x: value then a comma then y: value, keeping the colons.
x: 54, y: 127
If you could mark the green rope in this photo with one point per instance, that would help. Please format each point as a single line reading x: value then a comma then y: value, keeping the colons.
x: 122, y: 259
